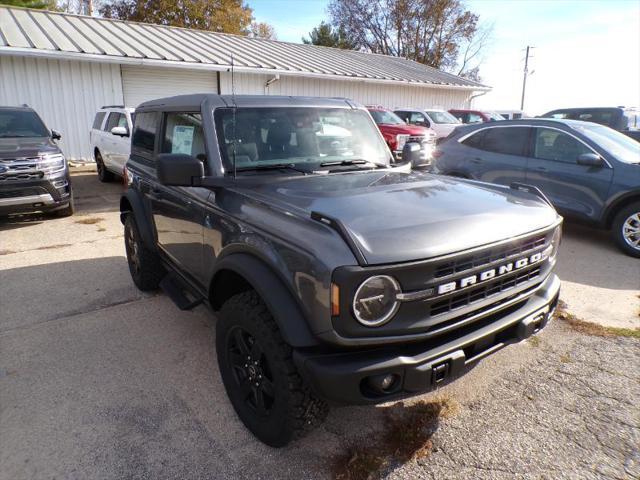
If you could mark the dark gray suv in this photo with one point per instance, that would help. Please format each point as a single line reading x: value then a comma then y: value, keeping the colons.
x: 34, y: 175
x: 337, y: 276
x: 590, y: 172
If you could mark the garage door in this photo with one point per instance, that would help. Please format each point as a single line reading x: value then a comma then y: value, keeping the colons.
x: 140, y: 84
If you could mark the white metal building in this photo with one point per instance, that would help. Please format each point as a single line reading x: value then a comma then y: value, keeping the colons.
x: 66, y: 66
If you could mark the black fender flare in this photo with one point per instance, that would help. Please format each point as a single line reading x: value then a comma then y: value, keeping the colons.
x: 131, y: 202
x: 279, y: 299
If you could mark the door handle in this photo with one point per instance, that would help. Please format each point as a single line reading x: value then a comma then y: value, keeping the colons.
x: 476, y: 160
x: 542, y: 169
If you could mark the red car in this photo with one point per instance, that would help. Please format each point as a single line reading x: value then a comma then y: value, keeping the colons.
x: 476, y: 116
x: 396, y: 132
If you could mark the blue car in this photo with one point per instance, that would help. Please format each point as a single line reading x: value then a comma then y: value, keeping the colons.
x: 590, y: 172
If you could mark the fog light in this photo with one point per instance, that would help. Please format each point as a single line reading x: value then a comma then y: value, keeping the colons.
x: 383, y: 383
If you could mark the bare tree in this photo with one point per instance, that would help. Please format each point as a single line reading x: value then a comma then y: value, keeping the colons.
x: 427, y: 31
x: 472, y: 52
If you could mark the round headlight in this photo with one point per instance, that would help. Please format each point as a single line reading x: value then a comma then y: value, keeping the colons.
x: 375, y: 300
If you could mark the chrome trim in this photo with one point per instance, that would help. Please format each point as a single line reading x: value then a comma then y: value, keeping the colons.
x: 44, y: 198
x: 470, y: 134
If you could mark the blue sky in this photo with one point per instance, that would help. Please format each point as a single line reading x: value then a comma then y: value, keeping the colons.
x: 587, y: 51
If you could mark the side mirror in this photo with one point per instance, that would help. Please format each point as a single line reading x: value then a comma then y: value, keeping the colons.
x: 590, y: 160
x: 55, y: 135
x: 120, y: 131
x: 412, y: 153
x: 178, y: 169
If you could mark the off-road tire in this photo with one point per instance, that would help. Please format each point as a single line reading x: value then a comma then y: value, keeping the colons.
x: 104, y: 175
x: 144, y: 264
x: 294, y: 409
x: 619, y: 223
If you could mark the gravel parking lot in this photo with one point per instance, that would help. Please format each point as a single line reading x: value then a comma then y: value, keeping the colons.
x: 98, y: 380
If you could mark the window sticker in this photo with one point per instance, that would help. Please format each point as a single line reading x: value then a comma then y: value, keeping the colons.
x: 182, y: 139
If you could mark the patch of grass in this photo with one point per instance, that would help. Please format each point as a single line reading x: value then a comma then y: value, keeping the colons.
x: 565, y: 358
x: 589, y: 328
x: 534, y: 341
x: 102, y: 229
x: 406, y: 436
x: 89, y: 220
x: 6, y: 252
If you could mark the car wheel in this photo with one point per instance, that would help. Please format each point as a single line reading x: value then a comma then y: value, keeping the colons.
x: 144, y: 265
x: 258, y: 372
x: 626, y: 229
x: 103, y: 174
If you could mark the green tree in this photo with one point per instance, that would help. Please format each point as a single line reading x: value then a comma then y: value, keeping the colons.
x: 228, y: 16
x: 39, y: 4
x: 326, y: 36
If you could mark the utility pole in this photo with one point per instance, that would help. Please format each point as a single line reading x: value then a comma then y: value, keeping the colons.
x: 524, y: 78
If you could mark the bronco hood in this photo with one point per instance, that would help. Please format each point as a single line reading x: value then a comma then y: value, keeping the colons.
x: 399, y: 217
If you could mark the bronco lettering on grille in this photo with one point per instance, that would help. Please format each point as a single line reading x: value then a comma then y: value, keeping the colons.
x: 489, y: 274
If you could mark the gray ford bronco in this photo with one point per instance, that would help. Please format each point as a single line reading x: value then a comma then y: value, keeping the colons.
x: 338, y: 277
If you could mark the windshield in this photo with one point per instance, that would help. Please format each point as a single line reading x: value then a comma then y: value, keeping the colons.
x: 301, y: 137
x: 21, y: 123
x: 617, y: 144
x: 437, y: 116
x: 385, y: 117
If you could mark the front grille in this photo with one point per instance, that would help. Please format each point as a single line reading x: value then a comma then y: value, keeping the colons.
x: 485, y: 291
x: 489, y: 256
x: 20, y: 169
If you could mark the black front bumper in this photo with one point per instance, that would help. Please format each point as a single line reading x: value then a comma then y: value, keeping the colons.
x: 44, y: 195
x: 346, y: 377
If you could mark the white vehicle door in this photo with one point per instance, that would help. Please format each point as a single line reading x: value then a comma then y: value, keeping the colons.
x: 116, y: 146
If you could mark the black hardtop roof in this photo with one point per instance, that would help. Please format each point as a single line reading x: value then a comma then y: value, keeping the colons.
x: 195, y: 101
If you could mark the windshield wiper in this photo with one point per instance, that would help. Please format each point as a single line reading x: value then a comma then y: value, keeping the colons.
x: 277, y: 166
x: 346, y: 163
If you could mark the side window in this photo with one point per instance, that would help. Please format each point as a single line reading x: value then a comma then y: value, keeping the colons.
x: 508, y: 141
x: 115, y: 120
x: 475, y: 140
x: 97, y: 122
x: 403, y: 115
x: 144, y: 132
x: 419, y: 118
x: 474, y: 118
x: 183, y: 134
x: 555, y: 145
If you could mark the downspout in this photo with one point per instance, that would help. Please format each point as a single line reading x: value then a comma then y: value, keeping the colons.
x: 473, y: 97
x: 270, y: 82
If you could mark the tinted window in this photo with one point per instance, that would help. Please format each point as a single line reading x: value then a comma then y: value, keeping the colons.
x: 116, y: 120
x: 144, y: 131
x: 403, y: 115
x: 475, y: 140
x: 417, y: 117
x: 557, y: 146
x: 183, y: 134
x: 97, y: 122
x: 21, y: 123
x: 508, y: 141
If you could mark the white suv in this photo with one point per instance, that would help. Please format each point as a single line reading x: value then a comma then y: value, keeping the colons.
x: 110, y: 142
x: 441, y: 121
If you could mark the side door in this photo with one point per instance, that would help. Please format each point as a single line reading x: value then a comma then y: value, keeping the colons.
x: 179, y: 212
x: 497, y: 154
x: 576, y: 190
x: 110, y: 142
x: 120, y: 144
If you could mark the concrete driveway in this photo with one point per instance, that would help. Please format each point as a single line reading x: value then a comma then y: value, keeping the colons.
x: 98, y: 380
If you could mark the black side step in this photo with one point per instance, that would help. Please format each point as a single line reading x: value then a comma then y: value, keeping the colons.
x: 179, y: 292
